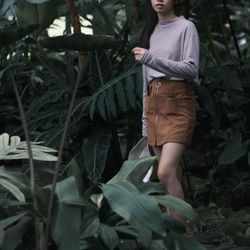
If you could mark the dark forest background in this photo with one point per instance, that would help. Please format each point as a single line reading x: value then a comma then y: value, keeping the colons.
x: 80, y: 94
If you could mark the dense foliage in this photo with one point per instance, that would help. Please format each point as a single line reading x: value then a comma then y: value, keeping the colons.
x: 88, y: 106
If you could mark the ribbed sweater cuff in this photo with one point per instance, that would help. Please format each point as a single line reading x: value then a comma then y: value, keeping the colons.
x: 146, y: 57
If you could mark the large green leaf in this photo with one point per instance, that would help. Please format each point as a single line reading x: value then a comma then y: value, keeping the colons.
x: 248, y: 158
x: 120, y: 92
x: 91, y: 224
x: 74, y: 169
x: 12, y: 148
x: 152, y: 187
x: 234, y: 149
x: 95, y: 149
x: 13, y: 236
x: 37, y: 1
x: 231, y: 80
x: 128, y: 230
x: 127, y: 245
x: 101, y: 106
x: 206, y: 100
x: 109, y: 236
x: 134, y: 170
x: 177, y: 205
x: 80, y: 42
x: 12, y: 34
x: 7, y: 222
x: 109, y: 24
x: 179, y: 242
x: 110, y: 102
x: 66, y: 220
x: 78, y: 202
x: 172, y: 224
x: 130, y: 91
x: 38, y: 12
x: 134, y: 206
x: 145, y: 234
x: 135, y: 230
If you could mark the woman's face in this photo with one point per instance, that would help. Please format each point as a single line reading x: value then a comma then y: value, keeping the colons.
x: 163, y: 7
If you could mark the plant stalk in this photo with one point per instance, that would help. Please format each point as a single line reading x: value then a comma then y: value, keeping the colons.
x: 57, y: 166
x: 38, y: 232
x: 232, y: 30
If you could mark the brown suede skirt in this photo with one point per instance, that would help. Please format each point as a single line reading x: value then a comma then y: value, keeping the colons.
x: 170, y: 112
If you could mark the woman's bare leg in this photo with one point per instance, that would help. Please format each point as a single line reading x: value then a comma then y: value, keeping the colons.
x: 169, y: 171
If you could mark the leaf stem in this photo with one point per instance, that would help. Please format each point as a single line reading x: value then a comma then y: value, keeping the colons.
x: 38, y: 232
x: 57, y: 166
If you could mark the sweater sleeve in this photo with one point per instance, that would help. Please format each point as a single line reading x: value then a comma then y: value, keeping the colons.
x: 187, y: 68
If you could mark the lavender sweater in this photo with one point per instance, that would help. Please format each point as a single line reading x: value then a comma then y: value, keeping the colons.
x: 173, y: 54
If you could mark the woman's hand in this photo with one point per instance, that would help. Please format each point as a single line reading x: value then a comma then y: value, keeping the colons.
x: 139, y: 53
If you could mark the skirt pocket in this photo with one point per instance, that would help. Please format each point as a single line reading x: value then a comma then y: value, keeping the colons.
x: 167, y: 105
x: 162, y: 105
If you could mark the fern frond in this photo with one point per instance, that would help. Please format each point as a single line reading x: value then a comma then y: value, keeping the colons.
x: 120, y: 92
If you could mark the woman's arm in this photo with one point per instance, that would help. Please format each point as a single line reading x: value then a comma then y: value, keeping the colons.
x: 186, y: 68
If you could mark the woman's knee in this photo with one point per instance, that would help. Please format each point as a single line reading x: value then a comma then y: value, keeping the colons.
x: 167, y: 173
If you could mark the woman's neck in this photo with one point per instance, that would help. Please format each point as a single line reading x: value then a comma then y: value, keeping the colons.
x: 166, y: 17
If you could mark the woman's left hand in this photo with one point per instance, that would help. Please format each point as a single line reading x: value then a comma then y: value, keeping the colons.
x: 139, y: 53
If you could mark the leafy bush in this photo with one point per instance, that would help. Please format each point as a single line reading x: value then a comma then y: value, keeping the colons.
x: 124, y: 211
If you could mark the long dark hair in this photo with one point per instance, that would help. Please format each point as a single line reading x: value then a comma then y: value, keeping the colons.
x: 152, y: 20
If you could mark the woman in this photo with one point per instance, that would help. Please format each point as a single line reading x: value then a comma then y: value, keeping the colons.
x: 169, y: 55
